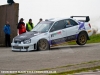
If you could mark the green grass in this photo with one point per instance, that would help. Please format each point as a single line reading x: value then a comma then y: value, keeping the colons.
x: 77, y: 71
x: 71, y: 65
x: 93, y: 39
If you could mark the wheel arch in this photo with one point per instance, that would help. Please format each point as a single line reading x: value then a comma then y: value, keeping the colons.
x: 85, y: 33
x: 43, y: 39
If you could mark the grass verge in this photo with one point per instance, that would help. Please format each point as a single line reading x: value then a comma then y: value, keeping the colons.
x: 77, y: 71
x: 67, y: 66
x: 93, y: 39
x: 71, y: 65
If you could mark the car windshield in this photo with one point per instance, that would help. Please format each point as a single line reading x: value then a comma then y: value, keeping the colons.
x: 43, y: 26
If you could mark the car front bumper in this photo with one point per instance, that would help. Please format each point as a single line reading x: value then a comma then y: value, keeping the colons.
x: 23, y: 47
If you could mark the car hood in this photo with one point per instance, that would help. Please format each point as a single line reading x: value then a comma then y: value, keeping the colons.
x: 26, y: 36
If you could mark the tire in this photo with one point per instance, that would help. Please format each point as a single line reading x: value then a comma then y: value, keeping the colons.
x: 82, y: 38
x: 43, y: 45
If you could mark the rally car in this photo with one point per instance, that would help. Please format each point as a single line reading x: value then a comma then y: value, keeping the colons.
x: 52, y: 32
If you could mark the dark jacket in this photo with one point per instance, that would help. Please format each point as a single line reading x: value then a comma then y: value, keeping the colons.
x: 10, y: 1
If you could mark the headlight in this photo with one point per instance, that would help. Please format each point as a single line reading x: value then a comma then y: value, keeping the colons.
x: 27, y: 41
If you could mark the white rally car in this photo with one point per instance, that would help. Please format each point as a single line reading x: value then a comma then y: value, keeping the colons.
x: 52, y: 32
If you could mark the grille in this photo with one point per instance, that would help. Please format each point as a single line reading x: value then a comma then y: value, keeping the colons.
x: 17, y: 47
x: 18, y: 42
x: 26, y: 47
x: 20, y: 47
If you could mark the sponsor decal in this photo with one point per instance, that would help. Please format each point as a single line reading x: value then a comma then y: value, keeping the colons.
x: 62, y: 43
x: 76, y: 36
x: 52, y: 35
x: 61, y: 40
x: 81, y: 26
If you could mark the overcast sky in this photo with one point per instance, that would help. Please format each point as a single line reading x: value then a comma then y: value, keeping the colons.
x: 36, y: 9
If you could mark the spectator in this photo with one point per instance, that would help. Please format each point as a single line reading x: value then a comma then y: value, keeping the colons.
x: 7, y: 32
x: 21, y: 27
x: 29, y: 25
x: 39, y: 20
x: 10, y: 2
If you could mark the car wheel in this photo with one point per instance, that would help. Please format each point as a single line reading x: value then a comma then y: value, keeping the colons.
x: 43, y: 45
x: 82, y: 39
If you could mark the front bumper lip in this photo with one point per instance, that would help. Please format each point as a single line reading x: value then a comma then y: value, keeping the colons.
x: 22, y: 47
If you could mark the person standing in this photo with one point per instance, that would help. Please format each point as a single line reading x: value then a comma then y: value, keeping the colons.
x: 21, y: 27
x: 29, y: 25
x: 7, y: 32
x: 39, y: 20
x: 10, y: 2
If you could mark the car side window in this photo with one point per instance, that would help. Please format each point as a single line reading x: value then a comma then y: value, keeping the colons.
x: 73, y: 22
x: 67, y: 23
x: 58, y: 25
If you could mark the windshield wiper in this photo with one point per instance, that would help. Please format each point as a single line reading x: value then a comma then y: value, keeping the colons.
x: 35, y: 31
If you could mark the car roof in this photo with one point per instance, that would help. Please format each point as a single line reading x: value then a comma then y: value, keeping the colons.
x: 56, y: 19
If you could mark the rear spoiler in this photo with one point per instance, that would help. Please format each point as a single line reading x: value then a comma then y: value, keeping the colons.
x: 87, y: 18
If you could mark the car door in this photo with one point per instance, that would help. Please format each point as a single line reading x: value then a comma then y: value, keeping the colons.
x: 56, y: 34
x: 71, y: 30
